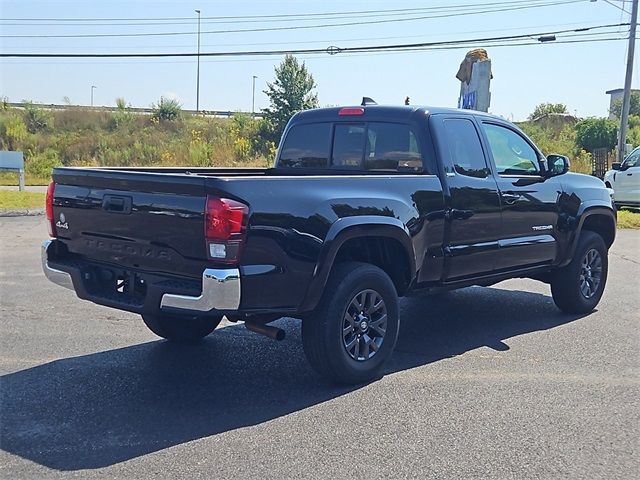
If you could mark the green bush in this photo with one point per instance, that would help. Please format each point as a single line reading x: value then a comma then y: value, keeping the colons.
x: 201, y: 154
x: 593, y: 133
x: 552, y: 140
x: 13, y: 132
x: 41, y: 164
x: 36, y: 118
x: 122, y: 116
x: 167, y: 109
x: 582, y: 163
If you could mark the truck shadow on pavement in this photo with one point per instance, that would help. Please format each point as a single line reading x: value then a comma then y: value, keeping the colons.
x: 96, y: 410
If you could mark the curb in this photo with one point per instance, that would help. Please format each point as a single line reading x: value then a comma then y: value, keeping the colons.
x: 29, y: 212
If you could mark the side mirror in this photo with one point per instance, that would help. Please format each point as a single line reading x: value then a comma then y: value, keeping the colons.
x: 557, y: 165
x: 615, y: 165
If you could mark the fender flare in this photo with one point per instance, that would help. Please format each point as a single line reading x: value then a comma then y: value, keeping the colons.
x: 586, y: 210
x: 345, y: 229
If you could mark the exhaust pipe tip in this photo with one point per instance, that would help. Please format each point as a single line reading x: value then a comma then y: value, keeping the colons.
x: 267, y: 330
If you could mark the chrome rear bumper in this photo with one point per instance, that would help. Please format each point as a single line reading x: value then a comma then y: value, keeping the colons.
x: 56, y: 276
x: 220, y: 291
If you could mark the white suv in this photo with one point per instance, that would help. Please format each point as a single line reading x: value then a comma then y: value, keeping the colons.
x: 624, y: 179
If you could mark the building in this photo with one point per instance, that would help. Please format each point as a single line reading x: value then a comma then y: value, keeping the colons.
x: 615, y: 95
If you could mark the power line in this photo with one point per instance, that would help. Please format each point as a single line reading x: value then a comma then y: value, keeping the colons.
x: 323, y: 41
x: 316, y: 56
x: 276, y: 16
x: 329, y: 50
x: 300, y: 27
x: 288, y: 18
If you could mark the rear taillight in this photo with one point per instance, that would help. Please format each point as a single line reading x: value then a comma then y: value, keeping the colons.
x: 51, y: 224
x: 224, y: 228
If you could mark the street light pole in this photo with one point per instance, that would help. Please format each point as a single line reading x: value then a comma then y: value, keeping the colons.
x: 253, y: 97
x: 92, y: 87
x: 198, y: 72
x: 626, y: 99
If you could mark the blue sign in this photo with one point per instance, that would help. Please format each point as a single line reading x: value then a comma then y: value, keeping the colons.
x: 11, y: 161
x: 468, y: 100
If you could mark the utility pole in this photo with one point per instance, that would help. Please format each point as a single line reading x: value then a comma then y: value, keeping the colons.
x: 92, y: 88
x: 198, y: 72
x: 626, y: 99
x: 253, y: 97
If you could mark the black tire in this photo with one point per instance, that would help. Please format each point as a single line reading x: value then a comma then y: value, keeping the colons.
x: 567, y: 283
x: 181, y: 328
x: 326, y: 343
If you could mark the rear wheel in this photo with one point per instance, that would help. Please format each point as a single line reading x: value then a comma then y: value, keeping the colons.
x: 181, y: 328
x: 354, y: 329
x: 578, y: 287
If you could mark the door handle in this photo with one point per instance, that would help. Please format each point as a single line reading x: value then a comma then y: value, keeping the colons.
x: 510, y: 197
x: 629, y: 174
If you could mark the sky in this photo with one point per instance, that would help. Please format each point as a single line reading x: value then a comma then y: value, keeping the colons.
x: 576, y: 74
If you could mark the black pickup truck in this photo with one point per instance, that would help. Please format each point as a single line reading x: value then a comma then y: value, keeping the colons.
x: 364, y: 205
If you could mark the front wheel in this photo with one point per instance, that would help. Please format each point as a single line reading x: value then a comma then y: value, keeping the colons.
x: 578, y: 287
x: 354, y: 329
x: 181, y: 328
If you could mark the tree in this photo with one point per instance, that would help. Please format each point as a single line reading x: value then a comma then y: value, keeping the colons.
x: 634, y: 105
x: 546, y: 108
x: 593, y: 133
x: 291, y: 92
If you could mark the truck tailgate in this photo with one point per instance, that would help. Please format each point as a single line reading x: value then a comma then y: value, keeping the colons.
x: 148, y: 221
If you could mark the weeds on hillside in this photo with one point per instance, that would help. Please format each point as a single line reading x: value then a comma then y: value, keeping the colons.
x: 83, y: 137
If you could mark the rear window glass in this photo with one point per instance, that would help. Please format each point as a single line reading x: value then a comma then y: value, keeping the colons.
x: 307, y: 146
x: 376, y: 146
x: 370, y: 146
x: 348, y: 145
x: 392, y: 146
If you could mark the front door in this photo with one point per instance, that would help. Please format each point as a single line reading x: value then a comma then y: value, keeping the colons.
x: 473, y: 204
x: 529, y: 200
x: 627, y: 180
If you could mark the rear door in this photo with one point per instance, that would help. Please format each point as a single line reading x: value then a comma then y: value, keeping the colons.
x: 529, y: 201
x: 473, y: 210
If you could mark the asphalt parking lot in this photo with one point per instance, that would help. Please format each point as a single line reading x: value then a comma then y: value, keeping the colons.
x: 485, y: 383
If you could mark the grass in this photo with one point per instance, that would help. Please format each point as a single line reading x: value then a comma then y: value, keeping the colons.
x: 628, y: 218
x: 9, y: 178
x: 15, y: 200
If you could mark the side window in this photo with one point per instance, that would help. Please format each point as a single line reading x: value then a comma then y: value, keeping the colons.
x: 306, y: 145
x: 465, y: 148
x: 632, y: 159
x: 348, y: 145
x: 512, y: 154
x: 392, y: 146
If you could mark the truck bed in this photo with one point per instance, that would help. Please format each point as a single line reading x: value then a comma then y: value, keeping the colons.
x: 161, y: 230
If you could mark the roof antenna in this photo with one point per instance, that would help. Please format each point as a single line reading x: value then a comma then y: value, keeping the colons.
x: 368, y: 101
